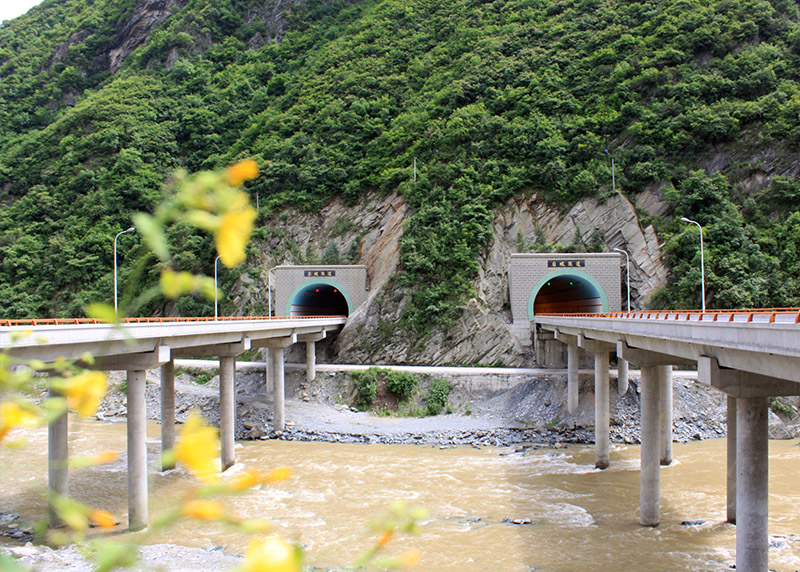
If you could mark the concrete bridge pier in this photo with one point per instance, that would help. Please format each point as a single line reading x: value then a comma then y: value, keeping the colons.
x: 57, y: 456
x: 227, y: 410
x: 665, y: 415
x: 622, y: 376
x: 732, y: 431
x: 601, y: 351
x: 167, y: 412
x: 269, y: 373
x: 137, y: 450
x: 311, y: 353
x: 656, y: 425
x: 649, y: 472
x: 751, y: 458
x: 573, y: 360
x: 752, y: 488
x: 276, y: 349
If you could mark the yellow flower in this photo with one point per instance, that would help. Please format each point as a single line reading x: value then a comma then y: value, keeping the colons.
x: 106, y: 457
x: 242, y: 171
x: 270, y: 554
x: 246, y: 480
x: 12, y: 415
x: 203, y: 509
x: 278, y: 475
x: 233, y: 233
x: 103, y: 518
x: 385, y: 537
x: 410, y: 557
x: 84, y: 391
x: 198, y: 448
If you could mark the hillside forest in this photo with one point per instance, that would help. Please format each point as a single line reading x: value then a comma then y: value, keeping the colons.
x: 695, y: 100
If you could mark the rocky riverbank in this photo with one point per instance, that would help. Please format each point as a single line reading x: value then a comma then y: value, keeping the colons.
x: 489, y: 410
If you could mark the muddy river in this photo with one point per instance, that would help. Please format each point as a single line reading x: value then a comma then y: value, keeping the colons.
x: 580, y: 518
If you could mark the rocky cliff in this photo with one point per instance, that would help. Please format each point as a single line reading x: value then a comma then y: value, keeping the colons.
x: 369, y: 234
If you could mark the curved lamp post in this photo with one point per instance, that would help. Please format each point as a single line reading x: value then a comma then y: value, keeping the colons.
x: 702, y: 264
x: 627, y: 274
x: 131, y: 229
x: 215, y: 286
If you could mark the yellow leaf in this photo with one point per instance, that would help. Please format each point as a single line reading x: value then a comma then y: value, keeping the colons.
x: 198, y: 448
x: 270, y: 554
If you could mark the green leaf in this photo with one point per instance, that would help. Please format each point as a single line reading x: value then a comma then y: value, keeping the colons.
x: 102, y: 312
x: 153, y: 235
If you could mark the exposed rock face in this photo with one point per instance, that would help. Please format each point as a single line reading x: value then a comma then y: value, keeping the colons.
x: 618, y: 227
x: 338, y: 234
x: 369, y: 234
x: 146, y: 16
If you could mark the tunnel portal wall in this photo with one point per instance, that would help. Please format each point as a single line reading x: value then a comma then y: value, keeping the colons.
x: 529, y: 273
x: 289, y: 281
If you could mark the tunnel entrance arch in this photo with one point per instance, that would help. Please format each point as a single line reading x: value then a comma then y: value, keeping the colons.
x: 319, y: 297
x: 567, y: 291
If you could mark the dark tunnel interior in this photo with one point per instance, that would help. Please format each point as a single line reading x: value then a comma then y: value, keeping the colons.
x: 567, y: 295
x: 319, y: 300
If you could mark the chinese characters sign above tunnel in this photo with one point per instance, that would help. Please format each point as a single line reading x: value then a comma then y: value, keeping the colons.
x: 319, y: 273
x: 566, y: 263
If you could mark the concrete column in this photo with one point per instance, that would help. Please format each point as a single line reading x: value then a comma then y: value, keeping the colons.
x: 665, y: 413
x: 601, y: 407
x: 270, y: 371
x: 752, y: 484
x: 278, y: 422
x: 167, y: 411
x: 573, y: 384
x: 137, y: 451
x: 311, y: 361
x: 731, y: 460
x: 227, y: 409
x: 649, y: 474
x: 57, y: 458
x: 622, y: 376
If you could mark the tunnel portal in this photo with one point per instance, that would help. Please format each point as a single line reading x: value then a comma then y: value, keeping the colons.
x: 567, y: 294
x: 319, y: 300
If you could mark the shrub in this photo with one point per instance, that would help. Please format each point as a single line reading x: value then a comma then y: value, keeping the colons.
x: 401, y: 383
x: 437, y: 396
x: 366, y: 384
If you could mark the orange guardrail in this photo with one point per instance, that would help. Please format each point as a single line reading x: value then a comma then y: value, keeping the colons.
x: 745, y: 314
x: 79, y: 321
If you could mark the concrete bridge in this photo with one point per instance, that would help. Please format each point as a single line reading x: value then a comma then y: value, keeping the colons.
x: 142, y: 344
x: 749, y: 355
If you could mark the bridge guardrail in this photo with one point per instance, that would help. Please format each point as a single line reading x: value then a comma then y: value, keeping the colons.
x: 82, y: 321
x: 760, y: 315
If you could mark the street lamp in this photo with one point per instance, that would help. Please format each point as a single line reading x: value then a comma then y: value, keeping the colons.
x: 215, y: 286
x: 702, y: 265
x: 131, y: 229
x: 627, y: 273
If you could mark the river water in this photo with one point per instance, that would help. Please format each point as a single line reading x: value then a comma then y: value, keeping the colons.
x: 581, y: 518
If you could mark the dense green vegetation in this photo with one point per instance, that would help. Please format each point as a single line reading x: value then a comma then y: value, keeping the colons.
x: 700, y: 99
x: 378, y: 388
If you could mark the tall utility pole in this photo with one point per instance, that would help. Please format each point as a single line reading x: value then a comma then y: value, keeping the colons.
x: 613, y: 180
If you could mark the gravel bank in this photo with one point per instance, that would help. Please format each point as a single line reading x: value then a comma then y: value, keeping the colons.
x: 498, y: 411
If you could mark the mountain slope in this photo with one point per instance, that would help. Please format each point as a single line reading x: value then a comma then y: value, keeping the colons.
x: 697, y: 102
